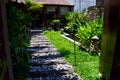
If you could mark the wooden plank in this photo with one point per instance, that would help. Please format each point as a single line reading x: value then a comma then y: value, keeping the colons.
x: 110, y: 56
x: 4, y: 42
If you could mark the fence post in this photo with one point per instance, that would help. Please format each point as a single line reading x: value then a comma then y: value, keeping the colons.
x: 110, y: 56
x: 5, y: 57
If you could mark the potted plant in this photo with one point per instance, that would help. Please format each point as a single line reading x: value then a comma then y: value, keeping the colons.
x: 56, y: 23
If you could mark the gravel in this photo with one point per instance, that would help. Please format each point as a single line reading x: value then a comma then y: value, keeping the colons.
x: 44, y: 52
x: 46, y: 60
x: 60, y: 77
x: 50, y: 67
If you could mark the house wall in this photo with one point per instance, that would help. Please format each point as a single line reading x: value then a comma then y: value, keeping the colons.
x: 87, y: 3
x: 51, y: 8
x: 76, y: 3
x: 64, y: 10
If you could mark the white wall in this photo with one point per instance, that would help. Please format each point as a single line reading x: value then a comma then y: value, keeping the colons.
x: 87, y: 3
x: 76, y: 4
x: 80, y: 5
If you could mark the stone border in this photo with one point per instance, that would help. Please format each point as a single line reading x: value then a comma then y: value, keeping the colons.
x: 71, y: 40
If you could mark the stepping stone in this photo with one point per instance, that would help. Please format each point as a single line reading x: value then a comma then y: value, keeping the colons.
x: 45, y: 54
x: 49, y: 63
x: 42, y: 51
x: 38, y: 41
x: 51, y: 67
x: 58, y: 77
x: 40, y: 45
x: 49, y: 73
x: 44, y: 60
x: 49, y: 56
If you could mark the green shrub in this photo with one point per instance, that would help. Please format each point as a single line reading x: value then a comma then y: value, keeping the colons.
x: 56, y: 23
x: 78, y: 24
x: 18, y: 22
x: 85, y: 32
x: 34, y: 6
x: 74, y: 20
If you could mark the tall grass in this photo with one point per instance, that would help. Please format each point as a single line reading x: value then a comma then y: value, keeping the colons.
x: 87, y: 65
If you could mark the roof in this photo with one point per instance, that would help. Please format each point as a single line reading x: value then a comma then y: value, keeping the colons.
x: 55, y: 2
x: 19, y: 1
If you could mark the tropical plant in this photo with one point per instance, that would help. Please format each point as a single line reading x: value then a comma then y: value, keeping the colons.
x: 34, y: 6
x: 56, y: 23
x: 93, y: 28
x: 74, y: 20
x: 18, y: 22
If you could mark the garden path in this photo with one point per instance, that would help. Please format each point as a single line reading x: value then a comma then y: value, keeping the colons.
x: 46, y: 62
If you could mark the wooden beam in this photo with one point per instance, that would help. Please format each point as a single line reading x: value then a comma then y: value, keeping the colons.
x: 4, y: 43
x: 44, y: 15
x: 110, y: 56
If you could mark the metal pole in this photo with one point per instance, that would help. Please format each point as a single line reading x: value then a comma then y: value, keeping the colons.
x: 74, y: 52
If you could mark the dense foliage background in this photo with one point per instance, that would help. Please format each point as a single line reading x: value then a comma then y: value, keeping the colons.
x: 83, y: 28
x: 18, y: 23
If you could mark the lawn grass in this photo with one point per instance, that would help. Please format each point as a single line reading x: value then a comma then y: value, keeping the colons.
x: 87, y: 65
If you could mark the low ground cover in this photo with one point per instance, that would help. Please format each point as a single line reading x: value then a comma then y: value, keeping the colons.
x: 87, y: 65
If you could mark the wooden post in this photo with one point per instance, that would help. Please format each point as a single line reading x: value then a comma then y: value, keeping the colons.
x: 44, y: 14
x: 110, y: 56
x: 57, y: 11
x: 5, y: 56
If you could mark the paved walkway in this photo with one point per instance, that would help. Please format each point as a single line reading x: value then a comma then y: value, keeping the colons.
x: 46, y: 62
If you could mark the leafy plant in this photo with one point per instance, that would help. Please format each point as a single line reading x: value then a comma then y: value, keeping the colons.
x: 84, y: 28
x: 34, y: 6
x: 18, y: 22
x: 85, y: 34
x: 93, y: 28
x: 74, y: 20
x: 56, y: 23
